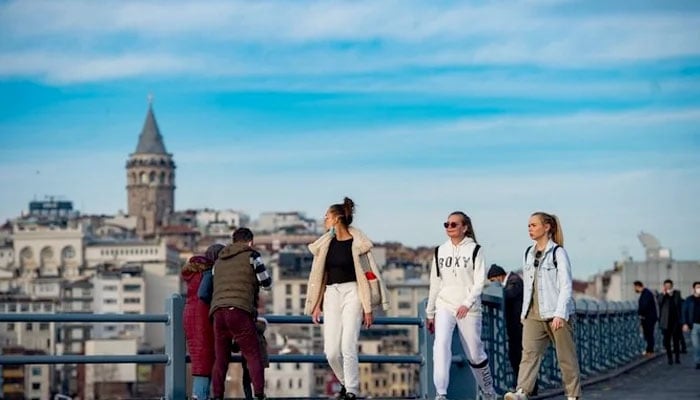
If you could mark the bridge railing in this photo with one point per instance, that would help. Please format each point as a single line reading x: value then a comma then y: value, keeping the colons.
x: 606, y: 334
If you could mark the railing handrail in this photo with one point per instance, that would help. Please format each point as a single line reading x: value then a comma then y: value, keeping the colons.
x: 83, y: 359
x: 85, y: 317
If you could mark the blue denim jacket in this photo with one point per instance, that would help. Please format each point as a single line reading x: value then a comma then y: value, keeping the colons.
x: 553, y: 283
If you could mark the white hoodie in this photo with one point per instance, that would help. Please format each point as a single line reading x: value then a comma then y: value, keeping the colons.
x: 461, y: 279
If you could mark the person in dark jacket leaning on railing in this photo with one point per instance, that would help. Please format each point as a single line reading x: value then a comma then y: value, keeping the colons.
x: 647, y: 315
x: 237, y: 274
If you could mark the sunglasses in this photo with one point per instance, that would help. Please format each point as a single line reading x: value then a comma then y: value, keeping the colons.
x: 538, y: 255
x: 450, y: 225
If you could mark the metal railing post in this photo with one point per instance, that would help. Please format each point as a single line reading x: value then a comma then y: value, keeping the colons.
x: 175, y: 370
x: 426, y: 350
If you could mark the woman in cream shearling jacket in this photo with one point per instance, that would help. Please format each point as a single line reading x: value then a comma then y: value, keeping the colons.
x: 339, y: 289
x: 316, y: 285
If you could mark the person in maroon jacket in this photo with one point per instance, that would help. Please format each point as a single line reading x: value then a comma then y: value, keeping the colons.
x: 199, y: 332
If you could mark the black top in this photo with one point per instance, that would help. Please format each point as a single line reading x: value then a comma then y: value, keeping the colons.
x: 339, y: 265
x: 696, y: 310
x: 647, y: 306
x: 513, y: 293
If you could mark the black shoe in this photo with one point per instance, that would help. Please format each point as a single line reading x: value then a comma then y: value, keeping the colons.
x: 342, y: 394
x: 350, y: 396
x: 678, y: 360
x: 697, y: 366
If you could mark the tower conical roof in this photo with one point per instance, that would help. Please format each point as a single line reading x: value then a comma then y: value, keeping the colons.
x: 150, y: 140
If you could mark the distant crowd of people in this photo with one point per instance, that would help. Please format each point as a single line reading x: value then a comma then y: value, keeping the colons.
x: 674, y: 315
x: 345, y: 288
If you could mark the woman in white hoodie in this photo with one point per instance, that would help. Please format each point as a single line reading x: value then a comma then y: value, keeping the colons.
x: 457, y: 278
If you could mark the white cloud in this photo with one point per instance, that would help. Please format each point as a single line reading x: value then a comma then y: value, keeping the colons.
x: 305, y: 37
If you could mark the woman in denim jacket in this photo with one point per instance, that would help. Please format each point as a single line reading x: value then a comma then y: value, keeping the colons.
x: 548, y: 306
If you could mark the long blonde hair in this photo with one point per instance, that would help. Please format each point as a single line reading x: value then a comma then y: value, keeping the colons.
x: 555, y: 231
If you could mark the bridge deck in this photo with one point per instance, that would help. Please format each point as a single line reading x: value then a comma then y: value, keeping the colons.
x: 653, y: 380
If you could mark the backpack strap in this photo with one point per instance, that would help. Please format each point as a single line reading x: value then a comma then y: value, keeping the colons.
x: 526, y: 253
x: 554, y: 256
x: 437, y: 268
x: 476, y: 251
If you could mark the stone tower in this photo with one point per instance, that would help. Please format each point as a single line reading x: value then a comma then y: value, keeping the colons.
x: 150, y: 177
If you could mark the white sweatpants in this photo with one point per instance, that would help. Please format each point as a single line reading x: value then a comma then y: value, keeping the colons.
x: 470, y: 335
x: 342, y: 320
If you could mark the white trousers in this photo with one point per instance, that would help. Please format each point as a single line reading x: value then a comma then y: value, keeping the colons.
x: 470, y: 335
x: 342, y: 320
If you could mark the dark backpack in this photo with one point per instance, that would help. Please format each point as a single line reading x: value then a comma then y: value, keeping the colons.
x: 554, y: 255
x: 474, y: 253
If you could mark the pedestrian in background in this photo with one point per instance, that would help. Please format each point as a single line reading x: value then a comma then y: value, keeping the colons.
x: 199, y: 333
x: 647, y: 315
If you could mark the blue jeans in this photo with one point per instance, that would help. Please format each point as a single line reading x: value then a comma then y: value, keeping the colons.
x: 695, y: 338
x: 200, y: 387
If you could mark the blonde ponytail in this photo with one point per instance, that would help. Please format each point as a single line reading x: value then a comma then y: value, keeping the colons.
x: 555, y: 231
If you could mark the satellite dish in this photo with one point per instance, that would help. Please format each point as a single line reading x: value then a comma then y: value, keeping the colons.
x: 649, y: 241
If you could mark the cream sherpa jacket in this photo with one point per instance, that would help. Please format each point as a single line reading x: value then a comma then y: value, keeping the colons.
x: 316, y: 286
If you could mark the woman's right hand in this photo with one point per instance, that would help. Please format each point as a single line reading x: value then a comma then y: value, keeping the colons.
x: 430, y: 324
x: 316, y: 315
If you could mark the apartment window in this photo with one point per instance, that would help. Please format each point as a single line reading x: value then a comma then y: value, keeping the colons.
x: 30, y: 326
x: 132, y: 300
x: 44, y: 326
x: 10, y: 326
x: 109, y: 301
x: 24, y: 307
x: 36, y: 371
x: 47, y: 307
x: 132, y: 288
x: 302, y: 303
x: 36, y: 386
x: 288, y: 289
x: 288, y: 304
x: 299, y: 383
x: 404, y: 305
x: 109, y: 288
x: 302, y: 288
x: 297, y: 366
x: 291, y: 384
x: 36, y: 307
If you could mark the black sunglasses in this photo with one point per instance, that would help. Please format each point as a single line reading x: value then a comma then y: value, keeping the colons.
x: 538, y: 255
x: 450, y: 225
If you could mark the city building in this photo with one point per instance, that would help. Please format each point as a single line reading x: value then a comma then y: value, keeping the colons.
x: 24, y: 382
x: 109, y: 380
x: 616, y: 284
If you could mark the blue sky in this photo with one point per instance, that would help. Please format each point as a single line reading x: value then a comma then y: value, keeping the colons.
x: 587, y: 109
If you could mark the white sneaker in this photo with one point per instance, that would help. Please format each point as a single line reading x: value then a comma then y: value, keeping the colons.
x: 517, y: 395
